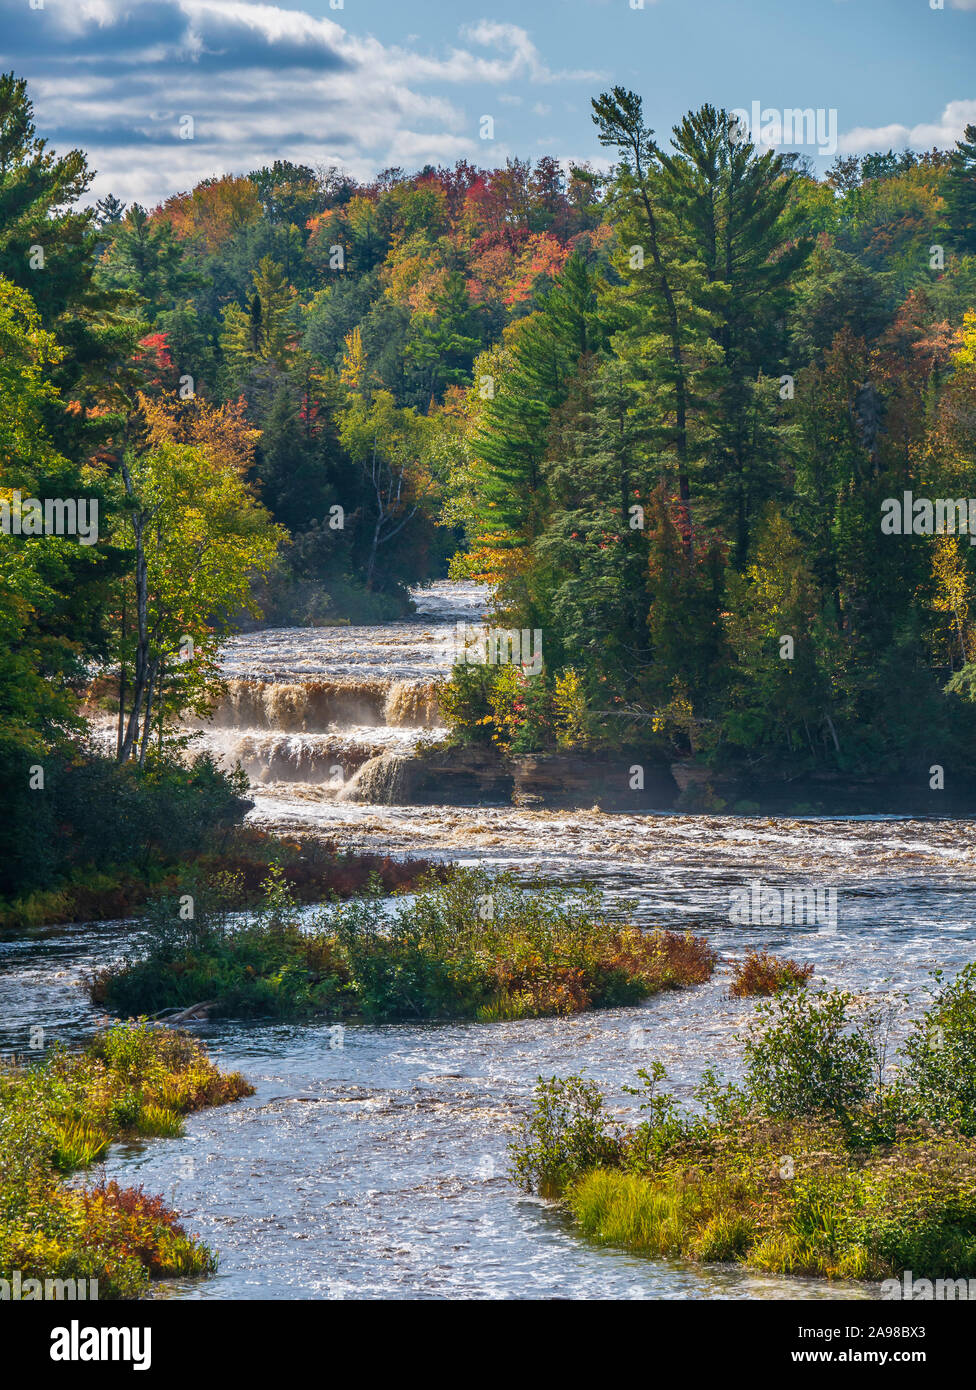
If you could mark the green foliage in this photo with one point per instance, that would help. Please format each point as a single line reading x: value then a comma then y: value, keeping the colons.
x: 939, y: 1074
x: 808, y: 1057
x: 807, y: 1168
x: 566, y: 1134
x: 542, y: 354
x: 960, y: 193
x: 60, y: 1115
x: 146, y: 817
x: 472, y: 946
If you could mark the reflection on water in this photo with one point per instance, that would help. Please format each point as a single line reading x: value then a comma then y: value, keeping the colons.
x: 377, y: 1169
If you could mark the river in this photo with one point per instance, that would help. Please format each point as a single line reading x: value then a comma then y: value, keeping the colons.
x: 373, y: 1165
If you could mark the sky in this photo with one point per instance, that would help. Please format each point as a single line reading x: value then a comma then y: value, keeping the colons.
x: 369, y: 84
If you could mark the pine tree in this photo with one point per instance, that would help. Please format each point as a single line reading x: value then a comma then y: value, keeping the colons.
x: 145, y: 257
x: 960, y: 193
x: 267, y: 332
x: 636, y: 197
x: 48, y: 247
x: 447, y: 342
x: 543, y: 353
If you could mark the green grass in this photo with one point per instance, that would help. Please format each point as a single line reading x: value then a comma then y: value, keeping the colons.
x: 473, y: 946
x: 824, y: 1162
x: 60, y: 1115
x: 827, y: 1212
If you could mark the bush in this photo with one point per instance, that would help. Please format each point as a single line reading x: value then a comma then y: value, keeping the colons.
x: 566, y: 1134
x: 940, y: 1071
x: 804, y: 1169
x: 807, y: 1057
x: 464, y: 703
x: 763, y: 974
x: 146, y: 816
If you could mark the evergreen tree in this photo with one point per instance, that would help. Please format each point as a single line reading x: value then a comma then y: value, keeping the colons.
x: 960, y: 193
x: 145, y: 258
x: 267, y: 332
x: 543, y: 353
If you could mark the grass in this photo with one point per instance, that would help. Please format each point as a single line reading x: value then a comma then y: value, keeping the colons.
x: 762, y: 974
x: 313, y: 868
x: 795, y: 1199
x: 825, y: 1161
x: 473, y: 946
x: 60, y: 1115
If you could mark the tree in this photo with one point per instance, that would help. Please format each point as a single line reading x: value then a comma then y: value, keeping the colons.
x: 267, y: 332
x: 736, y: 203
x: 145, y: 258
x: 620, y: 121
x: 784, y: 654
x: 109, y: 211
x: 353, y: 372
x: 48, y: 248
x: 960, y: 193
x: 542, y: 355
x: 197, y: 537
x: 53, y: 593
x: 388, y: 445
x: 447, y: 341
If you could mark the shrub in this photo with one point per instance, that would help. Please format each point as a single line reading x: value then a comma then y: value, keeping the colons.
x: 807, y: 1057
x: 146, y: 816
x: 805, y: 1168
x: 566, y: 1134
x: 940, y: 1071
x: 763, y: 974
x: 464, y: 703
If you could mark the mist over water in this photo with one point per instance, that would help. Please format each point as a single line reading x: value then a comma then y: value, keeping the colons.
x: 377, y: 1169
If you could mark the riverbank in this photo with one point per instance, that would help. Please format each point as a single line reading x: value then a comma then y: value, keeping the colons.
x: 313, y: 869
x: 819, y: 1163
x: 60, y: 1115
x: 638, y: 779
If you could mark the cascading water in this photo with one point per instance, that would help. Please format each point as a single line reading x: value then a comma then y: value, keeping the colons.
x: 313, y: 706
x: 377, y: 1168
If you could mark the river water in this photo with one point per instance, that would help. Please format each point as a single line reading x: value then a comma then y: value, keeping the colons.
x: 373, y: 1164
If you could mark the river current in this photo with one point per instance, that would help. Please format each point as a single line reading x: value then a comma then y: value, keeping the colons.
x: 371, y: 1163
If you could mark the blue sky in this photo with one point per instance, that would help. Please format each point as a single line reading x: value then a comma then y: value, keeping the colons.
x: 404, y: 82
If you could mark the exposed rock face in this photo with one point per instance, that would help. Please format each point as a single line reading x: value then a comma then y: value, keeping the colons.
x: 623, y: 780
x: 481, y: 776
x: 450, y: 777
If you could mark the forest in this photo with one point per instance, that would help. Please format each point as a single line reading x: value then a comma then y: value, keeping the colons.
x: 658, y: 407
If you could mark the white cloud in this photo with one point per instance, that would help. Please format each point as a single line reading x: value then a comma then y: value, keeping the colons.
x: 261, y: 83
x: 942, y: 133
